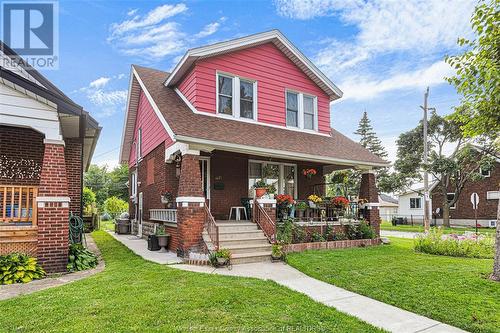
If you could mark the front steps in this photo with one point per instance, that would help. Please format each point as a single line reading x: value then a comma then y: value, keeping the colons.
x: 244, y: 239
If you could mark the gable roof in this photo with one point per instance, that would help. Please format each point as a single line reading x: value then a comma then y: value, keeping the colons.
x: 195, y: 128
x: 274, y: 36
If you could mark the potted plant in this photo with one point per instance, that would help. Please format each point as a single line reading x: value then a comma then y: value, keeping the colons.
x: 300, y: 208
x: 260, y: 188
x: 309, y: 173
x: 271, y: 191
x: 163, y: 237
x: 277, y: 251
x: 340, y: 204
x: 285, y: 203
x: 223, y: 256
x: 314, y: 200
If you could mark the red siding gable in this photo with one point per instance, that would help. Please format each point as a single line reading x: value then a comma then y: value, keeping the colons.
x: 153, y: 132
x: 272, y: 70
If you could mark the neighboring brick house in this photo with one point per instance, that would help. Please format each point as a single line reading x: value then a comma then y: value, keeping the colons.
x: 228, y: 114
x: 462, y: 213
x: 46, y: 142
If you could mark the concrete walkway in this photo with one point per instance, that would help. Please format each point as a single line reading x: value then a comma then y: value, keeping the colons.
x: 369, y: 310
x: 18, y: 289
x: 400, y: 234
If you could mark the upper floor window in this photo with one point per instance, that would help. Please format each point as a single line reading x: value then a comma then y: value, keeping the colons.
x: 138, y: 146
x: 236, y: 96
x: 301, y: 111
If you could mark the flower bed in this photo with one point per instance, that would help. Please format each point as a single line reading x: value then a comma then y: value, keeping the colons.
x: 467, y: 245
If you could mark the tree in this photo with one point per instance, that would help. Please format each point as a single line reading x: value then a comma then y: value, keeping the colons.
x: 369, y: 138
x: 118, y: 179
x: 97, y: 179
x: 88, y: 197
x: 478, y: 81
x: 450, y: 171
x: 115, y: 206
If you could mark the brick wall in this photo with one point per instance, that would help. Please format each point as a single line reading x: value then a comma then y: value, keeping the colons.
x: 368, y: 191
x: 487, y: 209
x: 21, y: 155
x: 74, y: 171
x: 53, y: 216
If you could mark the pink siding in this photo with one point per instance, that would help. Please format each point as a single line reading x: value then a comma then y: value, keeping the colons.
x: 153, y: 132
x: 272, y: 70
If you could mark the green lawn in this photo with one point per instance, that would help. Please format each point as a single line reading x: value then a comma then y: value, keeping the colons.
x: 452, y: 290
x: 107, y: 225
x: 133, y: 295
x: 386, y: 225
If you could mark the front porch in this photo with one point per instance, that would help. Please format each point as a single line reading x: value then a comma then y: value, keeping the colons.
x: 202, y: 187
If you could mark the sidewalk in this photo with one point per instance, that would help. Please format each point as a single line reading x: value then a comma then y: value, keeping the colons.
x: 400, y: 234
x: 369, y: 310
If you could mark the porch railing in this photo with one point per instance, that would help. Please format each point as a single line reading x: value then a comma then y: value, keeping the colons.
x: 212, y: 228
x: 163, y: 215
x: 18, y: 204
x: 265, y: 222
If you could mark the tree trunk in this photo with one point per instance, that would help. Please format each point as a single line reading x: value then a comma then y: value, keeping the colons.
x: 446, y: 213
x: 496, y: 264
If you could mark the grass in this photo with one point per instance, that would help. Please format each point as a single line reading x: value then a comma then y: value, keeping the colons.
x: 133, y: 295
x: 452, y: 290
x: 387, y: 225
x: 107, y: 225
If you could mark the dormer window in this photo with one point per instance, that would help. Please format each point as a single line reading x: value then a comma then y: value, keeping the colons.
x: 236, y: 96
x: 301, y: 111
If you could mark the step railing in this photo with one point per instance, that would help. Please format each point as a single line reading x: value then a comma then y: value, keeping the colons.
x: 265, y: 223
x: 212, y: 227
x: 163, y: 215
x: 18, y: 204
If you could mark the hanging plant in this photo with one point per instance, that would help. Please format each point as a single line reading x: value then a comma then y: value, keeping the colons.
x: 309, y: 173
x: 270, y: 171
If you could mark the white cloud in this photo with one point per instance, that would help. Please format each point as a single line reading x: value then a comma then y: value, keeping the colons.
x: 155, y: 35
x: 362, y: 88
x: 132, y: 12
x: 100, y: 82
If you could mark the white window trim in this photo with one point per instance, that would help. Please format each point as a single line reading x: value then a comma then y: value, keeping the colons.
x: 281, y: 183
x: 492, y: 195
x: 415, y: 207
x: 138, y: 147
x: 485, y: 176
x: 134, y: 184
x: 300, y: 115
x: 455, y: 205
x: 236, y: 96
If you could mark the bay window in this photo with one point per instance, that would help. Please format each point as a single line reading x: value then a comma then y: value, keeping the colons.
x: 283, y: 176
x: 301, y: 111
x: 236, y: 97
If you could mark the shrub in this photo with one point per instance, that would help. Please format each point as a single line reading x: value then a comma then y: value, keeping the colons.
x: 115, y: 206
x: 80, y: 258
x: 299, y: 234
x: 317, y: 237
x: 337, y: 236
x: 284, y: 231
x: 19, y: 268
x: 360, y: 231
x: 472, y: 246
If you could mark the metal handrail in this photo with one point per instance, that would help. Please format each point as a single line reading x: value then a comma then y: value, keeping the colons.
x: 265, y: 223
x: 212, y: 227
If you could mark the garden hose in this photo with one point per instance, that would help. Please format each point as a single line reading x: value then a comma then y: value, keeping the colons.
x: 76, y: 234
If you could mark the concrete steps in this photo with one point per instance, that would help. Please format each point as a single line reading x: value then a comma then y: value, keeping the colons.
x: 244, y: 239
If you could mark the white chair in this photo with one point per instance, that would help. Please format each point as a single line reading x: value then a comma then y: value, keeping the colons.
x: 237, y: 210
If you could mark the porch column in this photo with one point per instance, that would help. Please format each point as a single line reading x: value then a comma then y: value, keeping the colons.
x: 53, y: 209
x: 369, y: 192
x: 190, y: 206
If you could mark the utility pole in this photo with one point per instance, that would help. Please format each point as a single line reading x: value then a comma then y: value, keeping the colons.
x: 426, y: 175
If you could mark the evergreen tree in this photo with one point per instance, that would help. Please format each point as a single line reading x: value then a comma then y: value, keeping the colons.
x: 369, y: 138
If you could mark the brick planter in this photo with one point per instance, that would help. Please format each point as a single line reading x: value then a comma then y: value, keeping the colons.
x: 343, y: 244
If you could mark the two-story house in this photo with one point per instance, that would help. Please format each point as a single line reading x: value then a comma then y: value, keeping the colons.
x: 228, y: 115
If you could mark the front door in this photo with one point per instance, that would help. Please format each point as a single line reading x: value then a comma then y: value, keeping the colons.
x: 139, y: 216
x: 205, y: 177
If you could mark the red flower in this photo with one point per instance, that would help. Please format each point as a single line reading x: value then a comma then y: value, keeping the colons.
x: 340, y: 202
x: 309, y: 172
x: 284, y: 199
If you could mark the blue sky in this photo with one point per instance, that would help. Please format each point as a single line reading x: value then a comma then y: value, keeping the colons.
x: 381, y: 54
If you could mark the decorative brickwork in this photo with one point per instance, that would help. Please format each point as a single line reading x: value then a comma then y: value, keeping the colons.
x: 21, y: 149
x: 73, y: 159
x: 53, y: 216
x: 368, y: 191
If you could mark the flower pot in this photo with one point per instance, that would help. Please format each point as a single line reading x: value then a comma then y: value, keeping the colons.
x: 259, y: 192
x: 276, y: 258
x: 164, y: 200
x: 163, y: 241
x: 221, y: 261
x: 312, y: 204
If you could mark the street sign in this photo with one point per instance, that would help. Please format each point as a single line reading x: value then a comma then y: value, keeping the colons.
x: 474, y: 199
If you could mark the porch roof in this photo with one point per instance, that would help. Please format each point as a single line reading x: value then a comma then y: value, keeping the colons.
x: 196, y: 128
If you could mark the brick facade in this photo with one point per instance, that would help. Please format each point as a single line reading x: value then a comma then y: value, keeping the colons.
x: 487, y: 208
x: 21, y: 155
x: 53, y: 216
x: 74, y: 171
x: 369, y: 192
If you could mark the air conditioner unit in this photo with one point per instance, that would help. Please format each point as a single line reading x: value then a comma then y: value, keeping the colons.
x: 493, y: 224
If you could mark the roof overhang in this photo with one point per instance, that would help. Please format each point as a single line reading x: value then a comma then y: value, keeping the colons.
x: 209, y: 145
x: 274, y: 36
